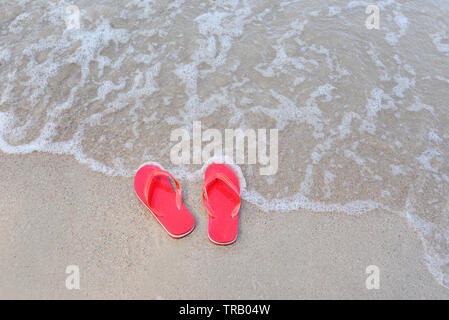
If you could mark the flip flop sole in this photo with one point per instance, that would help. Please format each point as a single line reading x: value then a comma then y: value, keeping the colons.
x: 222, y: 243
x: 174, y: 236
x: 177, y: 223
x: 223, y: 228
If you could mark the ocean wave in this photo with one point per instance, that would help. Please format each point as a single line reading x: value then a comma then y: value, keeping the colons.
x: 362, y: 114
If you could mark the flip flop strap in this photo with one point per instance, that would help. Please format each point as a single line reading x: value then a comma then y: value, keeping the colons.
x: 229, y: 183
x: 149, y: 183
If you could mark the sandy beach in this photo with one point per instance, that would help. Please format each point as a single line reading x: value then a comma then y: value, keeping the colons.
x: 65, y: 214
x: 342, y: 159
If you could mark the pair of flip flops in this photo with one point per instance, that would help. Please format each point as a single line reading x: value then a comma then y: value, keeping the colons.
x: 161, y: 194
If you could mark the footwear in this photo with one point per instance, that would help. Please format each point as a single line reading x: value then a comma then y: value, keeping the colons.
x: 221, y: 197
x: 154, y: 189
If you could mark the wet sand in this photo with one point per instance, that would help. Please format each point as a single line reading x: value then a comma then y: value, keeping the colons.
x: 363, y: 121
x: 56, y: 212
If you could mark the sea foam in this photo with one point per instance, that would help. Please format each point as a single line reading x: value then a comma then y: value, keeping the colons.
x: 362, y: 118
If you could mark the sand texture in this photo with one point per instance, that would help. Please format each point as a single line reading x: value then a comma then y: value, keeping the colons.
x: 55, y: 213
x: 91, y: 90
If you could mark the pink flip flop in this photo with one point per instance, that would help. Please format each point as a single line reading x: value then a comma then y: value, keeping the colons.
x: 153, y: 187
x: 221, y: 197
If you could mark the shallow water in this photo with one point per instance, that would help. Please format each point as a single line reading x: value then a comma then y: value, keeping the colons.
x: 363, y: 115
